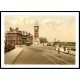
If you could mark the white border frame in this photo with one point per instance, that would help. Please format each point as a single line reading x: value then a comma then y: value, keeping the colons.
x: 39, y: 66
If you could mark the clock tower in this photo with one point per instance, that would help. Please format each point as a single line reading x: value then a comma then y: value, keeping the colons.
x: 36, y: 34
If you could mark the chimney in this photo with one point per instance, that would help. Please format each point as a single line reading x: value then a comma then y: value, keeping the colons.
x: 26, y: 32
x: 17, y: 29
x: 23, y: 32
x: 29, y: 32
x: 10, y: 28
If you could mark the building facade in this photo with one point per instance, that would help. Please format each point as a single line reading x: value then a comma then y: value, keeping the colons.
x: 15, y: 37
x: 27, y: 38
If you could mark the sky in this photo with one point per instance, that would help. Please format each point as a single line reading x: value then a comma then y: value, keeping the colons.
x: 61, y: 27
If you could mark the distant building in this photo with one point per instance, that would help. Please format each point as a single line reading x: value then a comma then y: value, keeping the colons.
x: 15, y: 37
x: 43, y: 40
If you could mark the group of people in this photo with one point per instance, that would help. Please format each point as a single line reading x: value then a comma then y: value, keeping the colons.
x: 67, y: 48
x: 64, y: 48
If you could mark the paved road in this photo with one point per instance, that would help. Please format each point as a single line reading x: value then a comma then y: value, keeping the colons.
x: 43, y: 55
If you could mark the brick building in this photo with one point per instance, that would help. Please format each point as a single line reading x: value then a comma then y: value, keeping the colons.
x: 27, y: 38
x: 15, y: 37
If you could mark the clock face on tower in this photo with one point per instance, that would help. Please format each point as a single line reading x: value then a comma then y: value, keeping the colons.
x: 36, y: 28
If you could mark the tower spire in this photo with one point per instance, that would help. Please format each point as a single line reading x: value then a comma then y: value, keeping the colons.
x: 36, y: 22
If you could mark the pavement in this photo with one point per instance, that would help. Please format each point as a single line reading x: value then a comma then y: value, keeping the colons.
x: 12, y: 55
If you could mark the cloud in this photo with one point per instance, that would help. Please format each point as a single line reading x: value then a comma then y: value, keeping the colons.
x: 49, y: 20
x: 49, y: 27
x: 28, y: 20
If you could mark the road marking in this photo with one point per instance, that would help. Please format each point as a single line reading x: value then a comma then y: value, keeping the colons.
x: 48, y: 58
x: 63, y: 56
x: 54, y: 58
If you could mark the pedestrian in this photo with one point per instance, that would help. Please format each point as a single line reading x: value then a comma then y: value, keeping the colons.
x: 59, y: 50
x: 68, y: 51
x: 64, y: 49
x: 55, y: 47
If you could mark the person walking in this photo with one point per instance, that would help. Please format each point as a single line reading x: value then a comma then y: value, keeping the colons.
x: 64, y: 49
x: 59, y: 50
x: 68, y: 50
x: 55, y: 47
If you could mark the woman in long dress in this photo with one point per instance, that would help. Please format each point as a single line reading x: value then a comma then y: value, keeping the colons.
x: 59, y: 50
